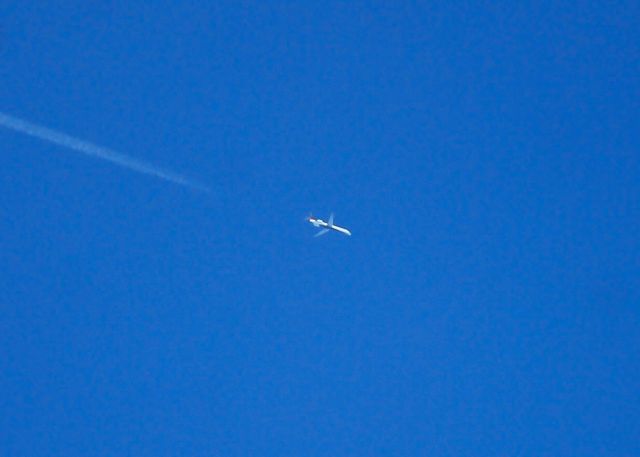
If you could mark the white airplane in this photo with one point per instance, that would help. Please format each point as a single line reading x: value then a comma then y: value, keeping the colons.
x: 326, y: 226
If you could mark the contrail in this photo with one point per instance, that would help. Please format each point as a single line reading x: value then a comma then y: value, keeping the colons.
x: 64, y: 140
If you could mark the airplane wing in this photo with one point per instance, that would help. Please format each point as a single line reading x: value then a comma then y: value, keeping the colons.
x: 321, y: 232
x: 330, y: 220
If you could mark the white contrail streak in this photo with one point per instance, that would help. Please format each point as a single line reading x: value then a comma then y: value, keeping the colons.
x: 64, y: 140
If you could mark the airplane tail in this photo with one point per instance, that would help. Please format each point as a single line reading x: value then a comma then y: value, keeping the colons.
x: 330, y: 222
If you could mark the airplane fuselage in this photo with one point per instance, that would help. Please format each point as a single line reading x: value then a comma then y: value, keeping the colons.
x: 325, y: 225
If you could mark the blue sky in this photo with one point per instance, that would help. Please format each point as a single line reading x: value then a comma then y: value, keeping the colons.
x: 484, y: 155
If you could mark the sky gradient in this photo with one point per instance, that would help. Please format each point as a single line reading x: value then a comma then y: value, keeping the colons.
x: 484, y: 155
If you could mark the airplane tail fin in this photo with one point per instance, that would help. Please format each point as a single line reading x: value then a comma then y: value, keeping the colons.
x: 330, y: 220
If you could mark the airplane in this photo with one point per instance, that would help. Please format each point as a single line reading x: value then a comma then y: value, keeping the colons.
x: 327, y: 226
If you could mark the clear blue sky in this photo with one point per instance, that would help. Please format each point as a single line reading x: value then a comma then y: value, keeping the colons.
x: 484, y: 155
